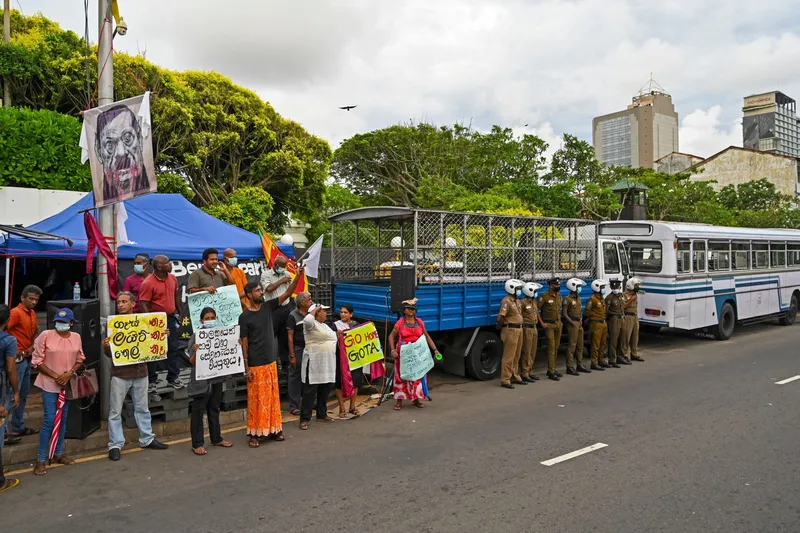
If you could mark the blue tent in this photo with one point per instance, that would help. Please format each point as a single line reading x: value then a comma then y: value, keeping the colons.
x: 157, y: 223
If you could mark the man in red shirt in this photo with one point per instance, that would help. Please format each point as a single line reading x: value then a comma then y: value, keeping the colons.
x: 24, y: 327
x: 159, y: 294
x: 133, y: 283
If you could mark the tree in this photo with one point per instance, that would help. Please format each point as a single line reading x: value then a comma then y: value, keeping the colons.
x: 172, y: 183
x: 247, y: 207
x: 759, y: 195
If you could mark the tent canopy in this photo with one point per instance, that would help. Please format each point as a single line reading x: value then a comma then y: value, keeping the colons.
x: 157, y: 224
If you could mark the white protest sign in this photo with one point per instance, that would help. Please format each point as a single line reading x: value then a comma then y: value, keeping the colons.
x: 415, y: 360
x: 218, y: 352
x: 225, y: 302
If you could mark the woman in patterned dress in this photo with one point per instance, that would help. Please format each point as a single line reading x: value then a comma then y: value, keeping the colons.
x: 408, y: 329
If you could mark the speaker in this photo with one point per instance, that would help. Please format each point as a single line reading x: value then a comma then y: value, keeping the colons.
x: 402, y: 285
x: 87, y: 325
x: 83, y: 417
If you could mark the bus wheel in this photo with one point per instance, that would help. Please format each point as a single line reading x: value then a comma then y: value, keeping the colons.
x: 483, y: 359
x: 791, y: 313
x: 727, y: 321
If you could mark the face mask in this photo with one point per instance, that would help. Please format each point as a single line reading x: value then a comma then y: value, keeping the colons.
x: 616, y: 291
x: 62, y: 326
x: 280, y: 270
x: 520, y: 295
x: 139, y: 269
x: 578, y: 290
x: 210, y: 323
x: 233, y: 261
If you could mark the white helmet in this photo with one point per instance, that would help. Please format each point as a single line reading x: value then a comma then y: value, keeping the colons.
x: 599, y: 285
x: 530, y: 288
x: 632, y: 283
x: 573, y: 284
x: 513, y: 285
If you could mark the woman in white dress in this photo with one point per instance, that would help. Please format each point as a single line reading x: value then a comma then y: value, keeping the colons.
x: 319, y: 365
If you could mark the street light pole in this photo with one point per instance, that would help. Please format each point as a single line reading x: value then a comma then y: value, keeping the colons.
x: 6, y: 39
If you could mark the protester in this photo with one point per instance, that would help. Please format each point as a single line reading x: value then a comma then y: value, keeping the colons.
x: 236, y: 276
x: 126, y: 378
x: 9, y: 391
x: 408, y: 329
x: 344, y: 323
x: 160, y: 295
x: 275, y: 281
x: 319, y: 364
x: 258, y: 344
x: 209, y: 277
x: 133, y: 283
x: 23, y: 325
x: 296, y: 343
x: 57, y: 355
x: 206, y: 395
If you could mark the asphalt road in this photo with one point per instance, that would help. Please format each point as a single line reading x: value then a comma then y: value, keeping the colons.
x: 699, y: 438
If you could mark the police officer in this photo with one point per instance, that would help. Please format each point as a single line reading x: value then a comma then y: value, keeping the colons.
x: 571, y: 313
x: 530, y: 335
x: 509, y: 319
x: 595, y: 313
x: 549, y: 312
x: 614, y: 313
x: 630, y: 324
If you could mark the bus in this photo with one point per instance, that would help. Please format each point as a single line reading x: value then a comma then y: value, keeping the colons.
x: 710, y: 278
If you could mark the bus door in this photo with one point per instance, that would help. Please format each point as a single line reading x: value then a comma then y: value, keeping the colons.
x: 610, y: 260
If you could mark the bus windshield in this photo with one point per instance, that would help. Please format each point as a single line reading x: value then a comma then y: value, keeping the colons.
x: 644, y: 256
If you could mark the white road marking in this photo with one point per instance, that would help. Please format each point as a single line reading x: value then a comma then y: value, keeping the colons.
x: 787, y: 380
x: 576, y: 453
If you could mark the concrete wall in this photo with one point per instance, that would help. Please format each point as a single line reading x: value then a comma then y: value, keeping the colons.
x: 735, y: 166
x: 666, y: 135
x: 676, y: 163
x: 29, y: 206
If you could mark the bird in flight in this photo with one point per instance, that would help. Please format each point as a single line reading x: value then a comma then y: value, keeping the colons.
x: 348, y: 107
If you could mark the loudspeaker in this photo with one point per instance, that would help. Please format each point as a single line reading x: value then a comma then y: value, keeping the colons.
x: 83, y: 417
x: 87, y: 325
x: 402, y: 285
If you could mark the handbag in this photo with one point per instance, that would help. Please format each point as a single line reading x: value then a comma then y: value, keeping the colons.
x: 82, y: 385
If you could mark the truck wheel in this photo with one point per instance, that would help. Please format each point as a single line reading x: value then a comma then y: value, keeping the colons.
x: 483, y: 359
x: 791, y: 313
x: 727, y: 321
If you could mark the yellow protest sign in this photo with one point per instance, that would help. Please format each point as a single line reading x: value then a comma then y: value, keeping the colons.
x: 362, y: 345
x: 137, y: 338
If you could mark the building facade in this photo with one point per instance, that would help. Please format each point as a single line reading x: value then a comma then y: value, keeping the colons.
x: 677, y: 162
x: 734, y: 166
x: 640, y: 135
x: 770, y: 124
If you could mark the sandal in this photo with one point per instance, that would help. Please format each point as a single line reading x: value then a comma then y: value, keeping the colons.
x: 200, y: 451
x: 342, y: 414
x: 40, y: 469
x: 294, y: 412
x: 355, y: 412
x: 9, y: 484
x: 11, y: 440
x: 304, y: 425
x: 64, y: 460
x: 326, y: 419
x: 254, y: 442
x: 223, y: 444
x: 397, y: 407
x: 278, y: 437
x: 418, y: 404
x: 25, y: 433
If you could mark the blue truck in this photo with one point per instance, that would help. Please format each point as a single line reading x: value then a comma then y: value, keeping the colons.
x: 456, y: 265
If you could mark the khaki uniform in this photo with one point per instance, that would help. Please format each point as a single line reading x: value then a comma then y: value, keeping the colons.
x: 550, y: 310
x: 596, y: 313
x: 573, y: 309
x: 530, y: 335
x: 630, y: 325
x: 512, y: 338
x: 614, y: 313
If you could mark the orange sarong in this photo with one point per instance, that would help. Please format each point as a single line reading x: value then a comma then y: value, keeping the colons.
x: 264, y: 402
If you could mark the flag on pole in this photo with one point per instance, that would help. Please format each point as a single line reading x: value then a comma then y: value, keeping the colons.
x: 272, y: 252
x: 311, y: 258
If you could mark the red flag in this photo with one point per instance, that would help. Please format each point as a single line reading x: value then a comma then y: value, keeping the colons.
x: 272, y: 252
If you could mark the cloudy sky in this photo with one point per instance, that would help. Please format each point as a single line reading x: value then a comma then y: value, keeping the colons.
x: 550, y: 64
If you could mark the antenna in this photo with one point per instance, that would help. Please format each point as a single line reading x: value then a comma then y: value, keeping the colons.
x: 651, y: 87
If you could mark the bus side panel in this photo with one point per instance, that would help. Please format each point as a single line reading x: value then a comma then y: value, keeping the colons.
x: 658, y: 297
x: 724, y: 291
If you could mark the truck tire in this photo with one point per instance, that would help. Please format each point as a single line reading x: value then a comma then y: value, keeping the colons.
x: 483, y: 359
x: 791, y: 313
x: 727, y: 322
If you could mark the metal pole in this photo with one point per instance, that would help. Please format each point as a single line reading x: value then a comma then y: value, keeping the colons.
x: 105, y: 95
x: 8, y: 280
x: 6, y: 40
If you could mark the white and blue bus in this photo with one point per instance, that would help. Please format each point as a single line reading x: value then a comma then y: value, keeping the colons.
x: 710, y: 278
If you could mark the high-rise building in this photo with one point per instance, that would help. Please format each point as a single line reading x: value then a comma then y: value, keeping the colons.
x: 640, y: 135
x: 770, y: 124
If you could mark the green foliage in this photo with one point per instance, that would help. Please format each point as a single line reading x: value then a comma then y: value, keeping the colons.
x: 172, y: 183
x: 247, y: 207
x: 39, y: 149
x: 760, y: 195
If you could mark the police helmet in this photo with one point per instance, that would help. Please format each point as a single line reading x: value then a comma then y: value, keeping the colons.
x: 513, y: 285
x: 573, y: 284
x: 599, y: 285
x: 530, y: 288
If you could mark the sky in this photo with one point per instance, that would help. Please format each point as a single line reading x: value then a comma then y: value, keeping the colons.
x: 544, y: 67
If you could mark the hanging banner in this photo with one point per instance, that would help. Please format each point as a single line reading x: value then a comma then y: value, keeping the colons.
x: 137, y: 338
x: 116, y: 141
x: 362, y: 345
x: 218, y: 352
x: 415, y: 360
x: 225, y: 302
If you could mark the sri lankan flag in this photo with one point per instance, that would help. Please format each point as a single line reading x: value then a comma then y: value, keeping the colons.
x: 272, y: 252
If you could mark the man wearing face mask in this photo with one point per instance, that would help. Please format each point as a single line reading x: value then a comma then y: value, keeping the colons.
x: 630, y: 326
x: 572, y: 313
x: 235, y: 275
x: 274, y: 282
x: 209, y: 277
x: 133, y: 283
x: 509, y: 320
x: 614, y: 310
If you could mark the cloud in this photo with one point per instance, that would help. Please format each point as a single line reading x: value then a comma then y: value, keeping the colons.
x: 702, y: 132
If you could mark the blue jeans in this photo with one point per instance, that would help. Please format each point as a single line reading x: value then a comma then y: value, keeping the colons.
x: 173, y: 351
x: 49, y: 400
x: 24, y: 380
x: 138, y: 390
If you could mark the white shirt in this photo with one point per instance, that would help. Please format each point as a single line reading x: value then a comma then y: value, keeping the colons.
x: 319, y: 355
x: 268, y: 277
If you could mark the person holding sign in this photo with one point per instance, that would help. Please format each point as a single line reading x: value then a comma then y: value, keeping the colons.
x: 408, y: 329
x: 209, y: 277
x: 206, y: 395
x: 319, y: 364
x: 344, y: 323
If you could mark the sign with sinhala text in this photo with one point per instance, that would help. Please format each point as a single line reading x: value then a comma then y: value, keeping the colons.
x: 218, y: 352
x: 137, y: 338
x: 225, y: 302
x: 362, y: 345
x: 415, y: 360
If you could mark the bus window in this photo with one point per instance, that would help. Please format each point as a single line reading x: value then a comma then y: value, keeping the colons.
x: 719, y: 256
x: 683, y: 254
x: 610, y: 258
x: 777, y: 254
x: 793, y: 255
x: 699, y: 255
x: 644, y: 256
x: 740, y: 251
x: 760, y: 255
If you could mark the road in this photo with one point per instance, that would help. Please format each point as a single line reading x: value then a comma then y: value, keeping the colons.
x: 699, y: 438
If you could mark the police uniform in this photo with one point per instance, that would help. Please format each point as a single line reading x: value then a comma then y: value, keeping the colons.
x: 572, y: 308
x: 614, y: 314
x: 530, y: 336
x: 550, y: 310
x: 630, y: 326
x: 596, y: 313
x: 512, y: 338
